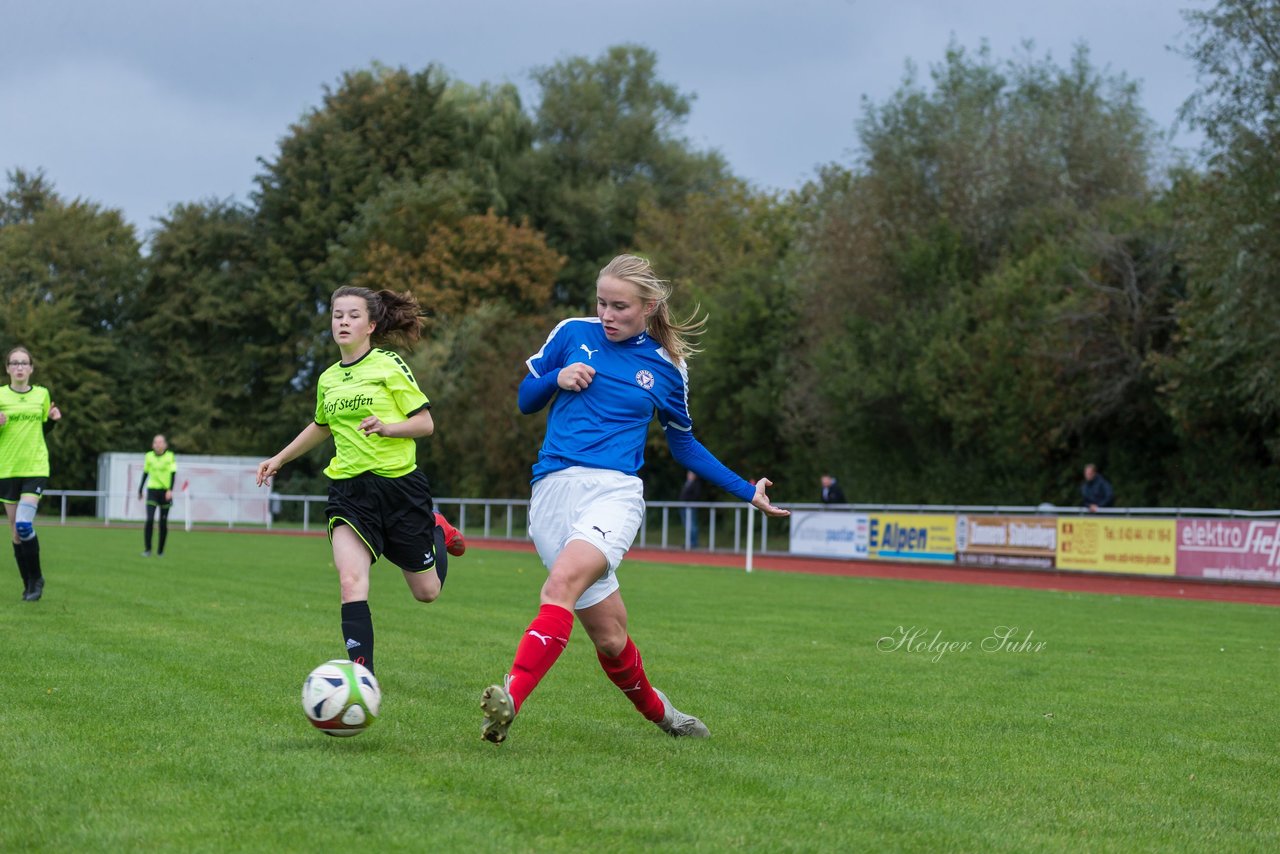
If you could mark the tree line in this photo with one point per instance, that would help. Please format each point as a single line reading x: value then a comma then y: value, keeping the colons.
x: 1013, y: 277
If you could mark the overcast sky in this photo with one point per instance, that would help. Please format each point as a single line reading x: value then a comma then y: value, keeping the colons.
x: 141, y: 104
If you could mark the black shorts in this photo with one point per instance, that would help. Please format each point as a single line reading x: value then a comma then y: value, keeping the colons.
x: 395, y: 516
x: 13, y: 487
x: 155, y: 497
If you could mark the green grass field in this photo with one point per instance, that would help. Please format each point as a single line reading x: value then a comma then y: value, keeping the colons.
x: 155, y: 706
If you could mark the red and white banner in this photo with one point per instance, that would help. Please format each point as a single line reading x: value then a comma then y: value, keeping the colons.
x: 1229, y: 549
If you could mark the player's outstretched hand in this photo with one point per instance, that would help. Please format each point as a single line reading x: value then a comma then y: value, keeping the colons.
x: 267, y: 469
x: 762, y: 501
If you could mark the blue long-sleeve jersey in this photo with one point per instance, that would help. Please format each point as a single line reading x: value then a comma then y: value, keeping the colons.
x: 605, y: 425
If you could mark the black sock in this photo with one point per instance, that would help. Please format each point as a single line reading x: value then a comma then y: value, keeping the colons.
x: 32, y: 549
x: 146, y: 529
x: 442, y: 555
x: 19, y: 555
x: 164, y: 527
x: 357, y: 632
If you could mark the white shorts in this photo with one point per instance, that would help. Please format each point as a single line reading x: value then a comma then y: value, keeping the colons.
x: 602, y: 507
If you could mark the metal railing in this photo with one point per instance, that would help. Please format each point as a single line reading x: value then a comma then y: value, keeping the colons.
x: 721, y: 526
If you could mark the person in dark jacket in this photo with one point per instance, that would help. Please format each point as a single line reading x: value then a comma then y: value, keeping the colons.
x: 831, y: 491
x: 691, y: 491
x: 1096, y: 490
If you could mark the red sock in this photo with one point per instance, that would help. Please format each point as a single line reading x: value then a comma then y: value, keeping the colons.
x: 627, y: 672
x: 543, y: 641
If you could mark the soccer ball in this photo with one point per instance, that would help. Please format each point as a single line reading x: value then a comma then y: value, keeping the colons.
x: 341, y: 698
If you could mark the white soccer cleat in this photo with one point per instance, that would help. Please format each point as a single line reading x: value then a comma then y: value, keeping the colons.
x: 676, y: 723
x: 499, y: 712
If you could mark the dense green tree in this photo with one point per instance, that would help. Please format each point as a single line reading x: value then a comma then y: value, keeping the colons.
x: 213, y: 336
x: 69, y: 274
x: 1049, y: 362
x: 606, y: 143
x: 379, y: 127
x: 1221, y: 383
x: 341, y: 170
x: 973, y: 204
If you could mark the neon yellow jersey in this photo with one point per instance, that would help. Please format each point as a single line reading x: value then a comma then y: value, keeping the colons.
x: 160, y: 470
x: 378, y: 383
x: 23, y: 452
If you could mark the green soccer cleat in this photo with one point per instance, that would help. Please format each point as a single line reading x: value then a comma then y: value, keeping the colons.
x: 676, y: 723
x: 499, y: 712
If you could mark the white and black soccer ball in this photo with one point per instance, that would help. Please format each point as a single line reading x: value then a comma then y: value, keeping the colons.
x: 341, y: 698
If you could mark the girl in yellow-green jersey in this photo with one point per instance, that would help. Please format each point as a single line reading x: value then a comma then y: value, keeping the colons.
x: 27, y: 413
x: 380, y: 503
x: 159, y: 477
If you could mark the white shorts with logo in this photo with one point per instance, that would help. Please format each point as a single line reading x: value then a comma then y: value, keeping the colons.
x: 602, y: 507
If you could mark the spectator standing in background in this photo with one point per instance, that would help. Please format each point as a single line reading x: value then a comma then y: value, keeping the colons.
x: 831, y: 491
x: 159, y: 474
x: 691, y: 490
x: 1096, y: 490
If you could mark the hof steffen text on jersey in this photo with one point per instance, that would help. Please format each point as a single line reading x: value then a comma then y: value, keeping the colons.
x: 347, y: 404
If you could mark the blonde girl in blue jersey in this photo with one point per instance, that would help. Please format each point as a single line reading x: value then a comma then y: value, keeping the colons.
x: 380, y: 503
x: 604, y: 377
x: 27, y: 414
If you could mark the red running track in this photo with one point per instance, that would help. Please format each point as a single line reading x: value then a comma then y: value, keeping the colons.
x: 1173, y: 588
